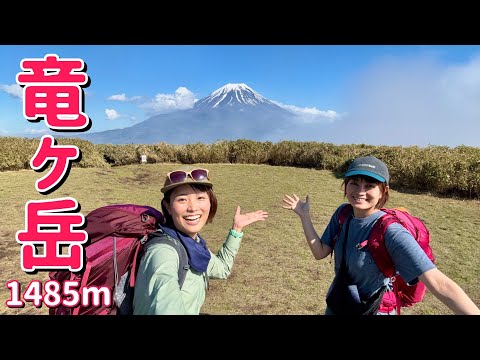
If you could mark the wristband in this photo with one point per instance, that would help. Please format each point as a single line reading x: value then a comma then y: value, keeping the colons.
x: 236, y: 233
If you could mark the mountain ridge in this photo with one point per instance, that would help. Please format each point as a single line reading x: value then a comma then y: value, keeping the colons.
x: 231, y: 112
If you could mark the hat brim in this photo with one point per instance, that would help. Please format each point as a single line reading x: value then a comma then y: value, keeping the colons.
x: 366, y: 173
x: 189, y: 181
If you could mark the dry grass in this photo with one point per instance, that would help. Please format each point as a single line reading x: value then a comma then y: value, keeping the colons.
x: 274, y: 272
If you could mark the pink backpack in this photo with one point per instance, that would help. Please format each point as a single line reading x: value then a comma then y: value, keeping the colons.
x: 117, y: 235
x: 404, y: 295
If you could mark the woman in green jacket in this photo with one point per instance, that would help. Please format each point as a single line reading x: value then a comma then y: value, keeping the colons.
x: 189, y: 203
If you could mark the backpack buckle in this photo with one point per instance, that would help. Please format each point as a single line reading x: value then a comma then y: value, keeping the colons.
x: 362, y: 244
x: 144, y: 239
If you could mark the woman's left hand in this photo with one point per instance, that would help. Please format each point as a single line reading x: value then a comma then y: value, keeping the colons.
x: 242, y: 220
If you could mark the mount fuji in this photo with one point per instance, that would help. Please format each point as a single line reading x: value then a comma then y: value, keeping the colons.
x: 234, y: 111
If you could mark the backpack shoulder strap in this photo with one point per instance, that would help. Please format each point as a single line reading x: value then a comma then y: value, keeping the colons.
x: 343, y: 214
x: 342, y: 217
x: 378, y: 250
x: 376, y: 243
x: 159, y: 236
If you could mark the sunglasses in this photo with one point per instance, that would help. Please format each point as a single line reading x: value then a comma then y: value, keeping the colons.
x: 179, y: 176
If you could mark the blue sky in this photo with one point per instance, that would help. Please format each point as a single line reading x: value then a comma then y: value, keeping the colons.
x: 375, y: 94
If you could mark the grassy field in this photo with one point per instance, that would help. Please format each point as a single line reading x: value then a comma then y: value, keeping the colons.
x: 274, y: 272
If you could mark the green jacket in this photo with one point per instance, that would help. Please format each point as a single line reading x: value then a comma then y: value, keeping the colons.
x: 157, y: 291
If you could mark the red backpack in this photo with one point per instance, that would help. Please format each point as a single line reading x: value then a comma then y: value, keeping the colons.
x: 117, y: 235
x: 405, y: 295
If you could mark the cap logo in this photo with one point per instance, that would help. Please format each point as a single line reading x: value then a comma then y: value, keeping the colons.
x: 368, y: 165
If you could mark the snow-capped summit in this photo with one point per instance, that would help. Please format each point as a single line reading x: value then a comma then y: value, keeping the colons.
x: 234, y: 111
x: 232, y: 95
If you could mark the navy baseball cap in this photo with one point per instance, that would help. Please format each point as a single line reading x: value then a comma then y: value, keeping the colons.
x: 369, y: 166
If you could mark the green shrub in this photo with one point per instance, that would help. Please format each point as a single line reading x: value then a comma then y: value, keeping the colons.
x: 16, y: 153
x: 249, y: 152
x: 117, y: 155
x: 91, y: 157
x: 437, y: 169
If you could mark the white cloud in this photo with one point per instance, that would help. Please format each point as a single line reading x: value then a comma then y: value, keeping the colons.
x: 14, y: 90
x: 310, y: 115
x: 460, y: 86
x: 400, y: 101
x: 415, y: 101
x: 111, y: 114
x: 124, y: 98
x: 182, y: 99
x: 119, y: 97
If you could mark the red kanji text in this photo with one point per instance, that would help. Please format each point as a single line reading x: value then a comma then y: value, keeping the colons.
x: 52, y: 91
x: 48, y: 223
x: 62, y: 156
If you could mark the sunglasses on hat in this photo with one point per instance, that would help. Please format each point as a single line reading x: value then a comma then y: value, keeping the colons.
x: 179, y: 176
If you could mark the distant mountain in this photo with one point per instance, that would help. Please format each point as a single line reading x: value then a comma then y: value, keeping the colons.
x: 234, y: 111
x: 235, y: 97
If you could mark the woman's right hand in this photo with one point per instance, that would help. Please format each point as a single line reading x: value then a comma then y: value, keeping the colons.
x: 301, y: 208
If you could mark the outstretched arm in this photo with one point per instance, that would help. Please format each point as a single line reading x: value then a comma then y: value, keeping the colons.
x: 448, y: 292
x: 241, y: 220
x: 302, y: 209
x: 220, y: 265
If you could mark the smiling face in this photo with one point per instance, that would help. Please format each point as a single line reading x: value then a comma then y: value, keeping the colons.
x: 365, y: 195
x: 189, y: 209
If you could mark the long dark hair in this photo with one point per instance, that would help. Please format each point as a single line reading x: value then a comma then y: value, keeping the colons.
x: 197, y: 188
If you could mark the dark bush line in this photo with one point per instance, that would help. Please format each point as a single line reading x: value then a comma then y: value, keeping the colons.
x: 436, y: 169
